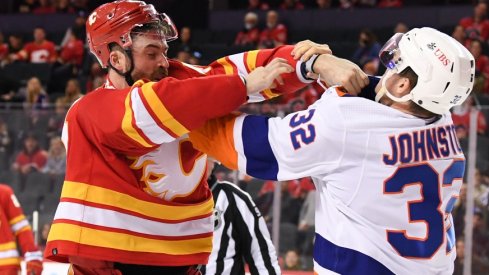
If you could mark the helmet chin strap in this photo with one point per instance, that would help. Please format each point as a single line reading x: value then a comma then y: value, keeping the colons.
x: 127, y: 75
x: 383, y: 91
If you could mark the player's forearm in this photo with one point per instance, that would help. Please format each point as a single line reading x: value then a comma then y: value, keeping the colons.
x: 192, y: 102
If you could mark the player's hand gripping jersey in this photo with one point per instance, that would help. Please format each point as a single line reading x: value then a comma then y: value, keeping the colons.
x: 135, y: 189
x: 386, y: 181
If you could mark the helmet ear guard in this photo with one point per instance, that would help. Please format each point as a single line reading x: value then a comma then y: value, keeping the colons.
x: 444, y: 67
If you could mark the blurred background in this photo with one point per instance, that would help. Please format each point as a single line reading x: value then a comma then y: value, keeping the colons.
x: 45, y: 66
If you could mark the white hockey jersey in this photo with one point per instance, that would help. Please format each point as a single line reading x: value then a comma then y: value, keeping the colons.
x: 386, y: 181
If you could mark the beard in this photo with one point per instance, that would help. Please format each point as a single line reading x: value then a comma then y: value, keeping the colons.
x: 156, y: 75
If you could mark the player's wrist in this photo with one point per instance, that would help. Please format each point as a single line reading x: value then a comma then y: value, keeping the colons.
x: 311, y: 62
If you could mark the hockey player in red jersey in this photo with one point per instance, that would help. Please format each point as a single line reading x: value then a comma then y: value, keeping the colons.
x: 14, y: 228
x: 135, y: 197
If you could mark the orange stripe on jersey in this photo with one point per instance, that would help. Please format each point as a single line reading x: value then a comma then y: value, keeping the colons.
x: 128, y: 242
x: 127, y: 125
x: 228, y: 67
x: 269, y: 94
x: 161, y: 112
x: 104, y: 196
x: 8, y: 246
x: 16, y: 219
x: 251, y: 60
x: 341, y: 91
x: 9, y: 261
x: 216, y: 139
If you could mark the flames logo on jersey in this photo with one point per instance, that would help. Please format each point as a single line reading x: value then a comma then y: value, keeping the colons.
x: 167, y: 178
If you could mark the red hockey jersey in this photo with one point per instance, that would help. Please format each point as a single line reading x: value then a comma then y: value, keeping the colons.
x: 14, y: 227
x: 135, y: 189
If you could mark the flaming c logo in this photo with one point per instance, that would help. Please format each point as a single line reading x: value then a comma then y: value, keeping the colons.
x: 92, y: 18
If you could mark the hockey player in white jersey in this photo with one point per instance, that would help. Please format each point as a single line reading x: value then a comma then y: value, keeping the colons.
x: 387, y: 173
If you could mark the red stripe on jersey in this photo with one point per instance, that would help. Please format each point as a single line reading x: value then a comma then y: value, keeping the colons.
x: 154, y: 116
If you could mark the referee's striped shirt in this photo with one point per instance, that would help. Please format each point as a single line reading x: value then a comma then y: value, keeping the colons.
x: 240, y: 234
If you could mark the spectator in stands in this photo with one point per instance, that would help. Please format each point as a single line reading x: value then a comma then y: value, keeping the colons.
x: 250, y: 34
x: 458, y: 212
x: 323, y: 4
x: 275, y: 34
x: 255, y: 5
x: 184, y: 56
x: 195, y: 58
x: 460, y: 35
x: 481, y: 191
x: 40, y: 50
x: 3, y: 50
x: 78, y: 28
x: 459, y: 261
x: 480, y: 249
x: 477, y: 25
x: 297, y: 105
x: 31, y: 159
x: 72, y: 92
x: 72, y: 51
x: 45, y: 7
x: 28, y: 6
x: 367, y: 53
x: 305, y: 229
x: 15, y: 45
x: 56, y: 121
x: 183, y: 43
x: 401, y: 28
x: 291, y: 5
x: 63, y: 6
x: 481, y: 83
x: 461, y: 116
x: 461, y: 132
x: 96, y: 77
x: 5, y: 145
x: 56, y: 159
x: 81, y: 5
x: 36, y: 97
x: 390, y: 4
x: 44, y: 235
x: 292, y: 261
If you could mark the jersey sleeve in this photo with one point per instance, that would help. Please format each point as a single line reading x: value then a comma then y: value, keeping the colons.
x: 150, y: 114
x: 305, y: 143
x: 18, y: 223
x: 244, y: 63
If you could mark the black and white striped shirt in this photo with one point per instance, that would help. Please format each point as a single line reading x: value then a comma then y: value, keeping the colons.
x: 240, y: 234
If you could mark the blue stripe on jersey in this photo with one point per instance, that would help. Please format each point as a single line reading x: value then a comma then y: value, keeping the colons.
x: 344, y: 260
x: 260, y: 160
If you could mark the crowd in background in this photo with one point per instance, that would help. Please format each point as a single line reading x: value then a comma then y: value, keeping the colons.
x: 32, y: 111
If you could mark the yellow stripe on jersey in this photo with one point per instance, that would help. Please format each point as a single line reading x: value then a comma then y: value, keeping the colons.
x: 251, y: 60
x: 161, y: 112
x: 127, y: 242
x: 16, y: 219
x: 228, y: 68
x: 127, y: 126
x: 269, y: 94
x: 100, y: 195
x: 8, y: 246
x: 9, y: 261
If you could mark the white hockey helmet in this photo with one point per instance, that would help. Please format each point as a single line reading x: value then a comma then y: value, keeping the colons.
x: 445, y: 68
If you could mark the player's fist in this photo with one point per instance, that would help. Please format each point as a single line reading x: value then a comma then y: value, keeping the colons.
x: 267, y: 77
x: 338, y: 71
x: 34, y: 267
x: 306, y: 48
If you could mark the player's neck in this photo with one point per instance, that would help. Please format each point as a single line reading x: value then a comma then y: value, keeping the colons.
x: 118, y: 81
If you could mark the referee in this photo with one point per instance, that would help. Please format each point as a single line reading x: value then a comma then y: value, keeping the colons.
x: 240, y: 233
